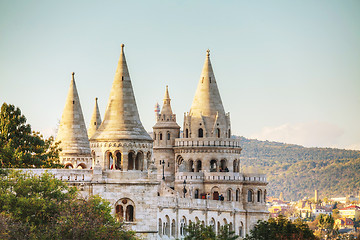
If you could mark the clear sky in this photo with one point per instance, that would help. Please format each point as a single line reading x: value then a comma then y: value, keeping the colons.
x: 287, y: 71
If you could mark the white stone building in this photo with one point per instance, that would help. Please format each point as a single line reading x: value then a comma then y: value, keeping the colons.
x: 160, y: 184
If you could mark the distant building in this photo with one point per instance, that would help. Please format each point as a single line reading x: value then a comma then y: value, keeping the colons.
x: 350, y: 212
x: 347, y: 199
x: 344, y: 223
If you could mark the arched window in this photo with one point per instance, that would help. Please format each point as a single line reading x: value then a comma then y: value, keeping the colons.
x: 201, y: 133
x: 198, y: 165
x: 218, y: 228
x: 160, y: 136
x: 69, y: 165
x: 237, y: 195
x: 110, y: 160
x: 129, y: 217
x: 250, y: 195
x: 173, y: 228
x: 218, y: 132
x: 259, y: 195
x: 125, y: 210
x: 235, y: 165
x: 191, y: 166
x: 215, y: 193
x: 223, y: 167
x: 241, y: 232
x: 225, y: 221
x: 154, y: 136
x: 212, y: 224
x: 167, y: 226
x: 81, y: 166
x: 186, y: 133
x: 131, y: 160
x: 229, y: 133
x: 118, y: 160
x: 168, y: 136
x: 139, y: 161
x: 183, y: 226
x: 213, y: 165
x: 229, y: 192
x: 197, y: 193
x: 119, y: 213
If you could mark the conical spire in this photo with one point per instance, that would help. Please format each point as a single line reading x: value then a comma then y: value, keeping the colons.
x: 95, y: 120
x: 121, y: 120
x: 207, y: 101
x: 166, y: 109
x: 72, y: 130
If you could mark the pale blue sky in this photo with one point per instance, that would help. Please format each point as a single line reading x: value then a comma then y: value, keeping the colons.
x: 287, y: 70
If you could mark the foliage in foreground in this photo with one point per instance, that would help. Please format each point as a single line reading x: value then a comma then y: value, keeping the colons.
x: 20, y: 147
x: 282, y: 229
x: 198, y: 231
x: 43, y: 207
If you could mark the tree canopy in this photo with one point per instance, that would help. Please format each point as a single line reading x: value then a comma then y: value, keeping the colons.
x: 198, y: 231
x: 20, y: 147
x: 282, y: 229
x: 43, y: 207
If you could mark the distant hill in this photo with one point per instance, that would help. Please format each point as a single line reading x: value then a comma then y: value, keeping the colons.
x: 297, y: 171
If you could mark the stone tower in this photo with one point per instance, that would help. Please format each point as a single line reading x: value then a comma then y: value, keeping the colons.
x: 316, y: 196
x: 121, y: 142
x: 207, y: 117
x: 165, y: 131
x: 72, y: 132
x: 206, y: 145
x: 95, y: 120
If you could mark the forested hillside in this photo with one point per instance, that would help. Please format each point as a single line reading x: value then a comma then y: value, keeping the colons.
x: 297, y: 171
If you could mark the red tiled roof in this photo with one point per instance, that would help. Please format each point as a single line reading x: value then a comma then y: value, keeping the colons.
x: 351, y: 207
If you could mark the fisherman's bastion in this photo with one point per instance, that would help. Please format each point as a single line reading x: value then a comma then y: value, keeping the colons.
x: 159, y: 184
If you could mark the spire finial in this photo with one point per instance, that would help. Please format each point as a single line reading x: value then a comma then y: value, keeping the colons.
x: 96, y: 99
x: 208, y: 52
x: 122, y: 46
x: 73, y: 76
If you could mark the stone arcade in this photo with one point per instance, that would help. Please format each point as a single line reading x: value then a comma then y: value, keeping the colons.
x: 157, y: 185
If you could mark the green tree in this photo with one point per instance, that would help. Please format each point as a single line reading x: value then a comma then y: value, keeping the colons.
x: 20, y: 147
x: 43, y: 207
x: 226, y: 234
x: 197, y: 231
x: 282, y: 229
x: 326, y: 225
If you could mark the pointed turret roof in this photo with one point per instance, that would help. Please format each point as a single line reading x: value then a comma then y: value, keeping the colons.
x: 95, y: 120
x: 207, y: 101
x: 166, y: 119
x: 72, y: 130
x: 121, y: 120
x: 166, y: 108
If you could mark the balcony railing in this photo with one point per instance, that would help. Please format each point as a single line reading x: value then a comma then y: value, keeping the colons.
x: 207, y: 142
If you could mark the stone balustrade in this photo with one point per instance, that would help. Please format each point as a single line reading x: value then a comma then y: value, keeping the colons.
x: 87, y: 175
x: 198, y: 204
x: 220, y: 176
x: 207, y: 142
x: 67, y: 175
